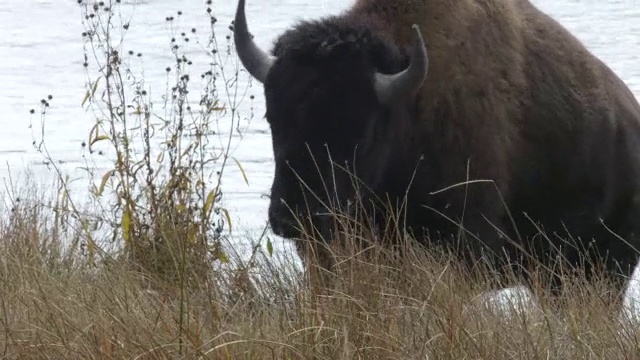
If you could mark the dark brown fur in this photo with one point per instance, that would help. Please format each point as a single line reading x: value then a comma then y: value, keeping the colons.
x: 511, y: 97
x: 520, y: 98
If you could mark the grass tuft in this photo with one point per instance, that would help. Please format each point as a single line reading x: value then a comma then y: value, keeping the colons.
x: 412, y: 303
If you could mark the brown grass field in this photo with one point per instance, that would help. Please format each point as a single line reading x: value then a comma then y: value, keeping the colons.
x: 56, y: 304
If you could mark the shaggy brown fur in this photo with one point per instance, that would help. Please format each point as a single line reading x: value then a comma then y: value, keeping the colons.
x: 510, y: 97
x: 517, y: 96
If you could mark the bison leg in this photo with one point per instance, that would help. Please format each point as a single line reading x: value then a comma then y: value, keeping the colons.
x: 482, y: 236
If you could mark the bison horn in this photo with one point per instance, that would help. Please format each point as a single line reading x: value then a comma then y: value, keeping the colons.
x: 256, y: 61
x: 391, y: 88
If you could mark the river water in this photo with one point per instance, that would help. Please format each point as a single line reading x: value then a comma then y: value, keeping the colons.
x: 41, y: 53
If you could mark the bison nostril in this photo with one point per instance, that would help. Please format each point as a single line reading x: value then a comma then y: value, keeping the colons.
x: 283, y: 226
x: 281, y: 219
x: 278, y: 227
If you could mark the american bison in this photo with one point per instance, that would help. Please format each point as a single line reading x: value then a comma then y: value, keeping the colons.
x: 414, y: 96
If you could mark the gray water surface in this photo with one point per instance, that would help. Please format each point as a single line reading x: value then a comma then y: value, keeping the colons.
x: 41, y: 53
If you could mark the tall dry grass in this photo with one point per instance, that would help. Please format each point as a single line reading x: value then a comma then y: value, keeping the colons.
x: 412, y: 304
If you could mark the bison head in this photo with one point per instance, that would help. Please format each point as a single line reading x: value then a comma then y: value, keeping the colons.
x: 336, y: 95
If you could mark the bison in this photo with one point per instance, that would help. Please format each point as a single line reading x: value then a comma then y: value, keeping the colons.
x: 416, y: 96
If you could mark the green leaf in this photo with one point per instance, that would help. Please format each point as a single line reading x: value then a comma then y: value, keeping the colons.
x: 126, y: 224
x: 103, y: 183
x: 269, y: 246
x: 226, y: 214
x: 99, y: 138
x: 220, y: 255
x: 85, y: 98
x: 209, y: 202
x: 89, y: 94
x: 244, y: 175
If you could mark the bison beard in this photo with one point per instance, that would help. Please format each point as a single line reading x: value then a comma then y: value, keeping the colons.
x: 510, y: 98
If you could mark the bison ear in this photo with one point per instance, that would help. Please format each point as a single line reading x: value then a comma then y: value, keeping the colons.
x: 390, y: 89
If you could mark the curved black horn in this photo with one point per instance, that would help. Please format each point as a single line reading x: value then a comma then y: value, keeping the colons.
x: 256, y: 61
x: 391, y: 88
